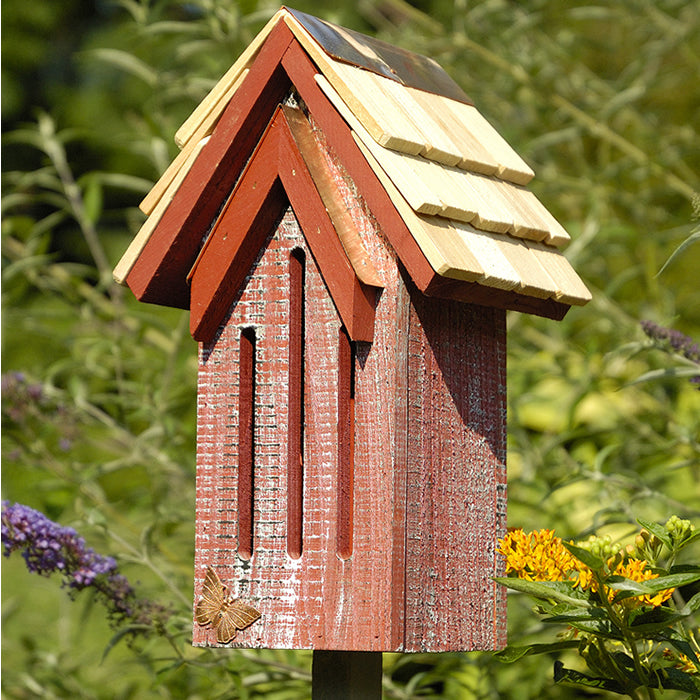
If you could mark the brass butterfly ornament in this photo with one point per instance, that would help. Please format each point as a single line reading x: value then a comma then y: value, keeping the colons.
x: 220, y: 611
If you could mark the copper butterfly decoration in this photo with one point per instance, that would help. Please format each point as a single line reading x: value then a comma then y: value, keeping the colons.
x: 220, y: 611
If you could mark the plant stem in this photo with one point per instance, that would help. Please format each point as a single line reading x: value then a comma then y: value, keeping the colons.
x: 54, y: 149
x: 621, y: 624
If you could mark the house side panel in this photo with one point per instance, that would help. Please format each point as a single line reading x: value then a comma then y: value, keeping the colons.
x: 456, y: 476
x: 318, y: 600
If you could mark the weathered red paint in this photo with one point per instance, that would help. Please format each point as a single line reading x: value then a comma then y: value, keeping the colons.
x: 350, y: 487
x: 275, y: 176
x: 159, y: 275
x: 418, y: 578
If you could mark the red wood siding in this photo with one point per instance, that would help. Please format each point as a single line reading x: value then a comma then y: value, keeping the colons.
x: 456, y: 475
x: 428, y: 468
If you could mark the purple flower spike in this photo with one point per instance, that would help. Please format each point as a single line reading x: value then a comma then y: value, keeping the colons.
x: 674, y: 339
x: 48, y: 548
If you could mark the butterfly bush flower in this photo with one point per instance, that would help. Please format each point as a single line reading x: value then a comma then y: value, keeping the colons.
x: 674, y: 340
x: 30, y: 409
x: 49, y: 548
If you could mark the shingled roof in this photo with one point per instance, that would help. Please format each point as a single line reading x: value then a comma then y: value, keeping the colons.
x: 401, y: 125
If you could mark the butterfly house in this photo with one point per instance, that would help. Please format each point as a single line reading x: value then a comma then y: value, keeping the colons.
x: 348, y: 231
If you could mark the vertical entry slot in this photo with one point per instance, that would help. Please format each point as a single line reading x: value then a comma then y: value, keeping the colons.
x: 246, y: 441
x: 346, y: 443
x: 295, y: 456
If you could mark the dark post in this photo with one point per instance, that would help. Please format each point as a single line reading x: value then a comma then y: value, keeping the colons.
x: 346, y: 675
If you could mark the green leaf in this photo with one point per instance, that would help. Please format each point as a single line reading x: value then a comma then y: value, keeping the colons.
x: 675, y: 679
x: 655, y: 529
x: 666, y: 373
x: 124, y: 182
x: 92, y: 200
x: 620, y: 583
x: 645, y: 621
x: 511, y: 654
x: 128, y: 63
x: 547, y: 590
x: 654, y: 585
x: 583, y: 555
x: 689, y: 540
x: 593, y: 621
x: 672, y: 581
x: 567, y: 675
x: 693, y: 238
x: 693, y: 605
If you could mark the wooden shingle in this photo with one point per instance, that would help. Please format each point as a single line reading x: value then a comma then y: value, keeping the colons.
x: 458, y: 186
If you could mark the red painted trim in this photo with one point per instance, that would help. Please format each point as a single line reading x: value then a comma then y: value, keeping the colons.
x: 354, y: 301
x: 301, y: 72
x: 159, y: 275
x: 473, y: 293
x: 247, y: 220
x: 295, y: 420
x: 246, y: 441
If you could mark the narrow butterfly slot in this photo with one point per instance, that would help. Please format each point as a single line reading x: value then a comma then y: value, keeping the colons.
x: 295, y: 423
x: 246, y: 442
x: 346, y: 443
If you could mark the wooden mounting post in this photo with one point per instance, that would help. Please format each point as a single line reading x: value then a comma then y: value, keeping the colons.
x: 346, y: 675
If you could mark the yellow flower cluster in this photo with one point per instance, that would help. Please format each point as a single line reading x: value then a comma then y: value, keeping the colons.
x: 541, y: 556
x: 636, y: 570
x: 681, y: 661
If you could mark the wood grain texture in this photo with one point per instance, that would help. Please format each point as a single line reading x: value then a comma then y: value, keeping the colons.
x: 472, y: 154
x: 511, y: 166
x: 275, y: 174
x: 456, y: 472
x: 434, y: 189
x: 414, y: 121
x: 362, y: 602
x: 462, y: 252
x: 313, y: 157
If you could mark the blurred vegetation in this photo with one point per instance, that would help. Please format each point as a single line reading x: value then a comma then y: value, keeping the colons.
x: 601, y: 99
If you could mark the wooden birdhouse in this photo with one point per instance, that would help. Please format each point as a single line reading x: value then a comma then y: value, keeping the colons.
x: 348, y: 231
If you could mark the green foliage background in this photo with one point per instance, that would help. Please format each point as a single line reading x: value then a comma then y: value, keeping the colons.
x: 603, y: 100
